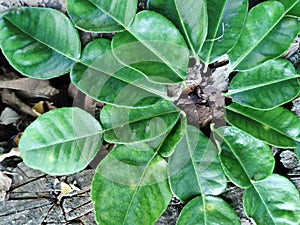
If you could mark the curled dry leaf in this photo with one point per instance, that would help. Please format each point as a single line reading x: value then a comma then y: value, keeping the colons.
x: 9, y: 116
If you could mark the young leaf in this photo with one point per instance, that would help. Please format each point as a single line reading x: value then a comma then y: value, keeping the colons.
x: 189, y: 16
x: 278, y: 127
x: 62, y: 141
x: 294, y: 11
x: 125, y: 125
x: 268, y: 86
x: 98, y: 73
x: 274, y: 200
x: 154, y: 46
x: 266, y: 35
x: 243, y: 157
x: 39, y: 42
x: 210, y: 210
x: 194, y: 167
x: 130, y: 187
x: 88, y: 17
x: 225, y: 23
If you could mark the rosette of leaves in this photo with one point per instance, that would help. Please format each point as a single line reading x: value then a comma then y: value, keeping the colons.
x: 156, y: 153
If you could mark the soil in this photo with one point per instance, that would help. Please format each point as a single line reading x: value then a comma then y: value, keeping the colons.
x: 36, y: 198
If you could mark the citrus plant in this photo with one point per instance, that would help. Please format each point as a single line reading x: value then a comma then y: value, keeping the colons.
x: 156, y: 153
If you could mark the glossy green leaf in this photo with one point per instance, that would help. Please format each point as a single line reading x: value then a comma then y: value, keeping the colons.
x: 39, y: 42
x: 154, y: 46
x: 88, y: 17
x: 243, y: 157
x: 125, y: 125
x: 266, y: 35
x: 194, y: 167
x: 189, y: 16
x: 278, y: 127
x: 103, y: 78
x: 294, y: 11
x: 130, y: 187
x: 274, y: 200
x: 225, y: 23
x: 62, y: 141
x: 210, y: 210
x: 167, y: 147
x: 266, y: 87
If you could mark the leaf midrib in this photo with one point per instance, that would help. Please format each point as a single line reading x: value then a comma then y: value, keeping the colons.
x: 261, y: 122
x: 101, y: 132
x: 253, y: 87
x: 215, y: 34
x: 198, y: 178
x: 133, y: 34
x: 138, y: 188
x: 263, y: 201
x: 243, y: 56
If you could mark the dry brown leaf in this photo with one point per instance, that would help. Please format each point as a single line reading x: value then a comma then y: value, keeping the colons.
x: 30, y: 85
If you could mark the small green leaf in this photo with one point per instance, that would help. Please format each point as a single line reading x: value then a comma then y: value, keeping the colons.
x: 278, y: 127
x: 293, y: 11
x: 189, y: 16
x: 268, y: 86
x: 266, y: 35
x: 39, y: 42
x: 225, y: 23
x: 61, y: 141
x: 243, y: 157
x: 130, y: 187
x: 274, y: 200
x: 88, y: 17
x: 210, y: 210
x: 194, y: 167
x: 125, y: 125
x: 98, y: 73
x: 154, y: 46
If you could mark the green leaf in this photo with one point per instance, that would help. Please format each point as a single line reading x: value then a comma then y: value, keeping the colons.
x: 268, y: 86
x: 294, y: 11
x: 125, y: 125
x: 243, y: 157
x: 62, y: 141
x: 122, y: 12
x: 103, y: 78
x: 130, y: 187
x: 167, y: 147
x: 278, y: 127
x: 39, y: 42
x: 88, y: 17
x: 194, y: 167
x: 274, y: 200
x: 189, y: 16
x: 225, y: 23
x: 154, y: 46
x: 266, y: 35
x: 210, y: 210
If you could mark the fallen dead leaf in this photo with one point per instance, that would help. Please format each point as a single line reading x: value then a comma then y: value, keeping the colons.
x: 13, y: 152
x: 9, y: 116
x: 5, y: 183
